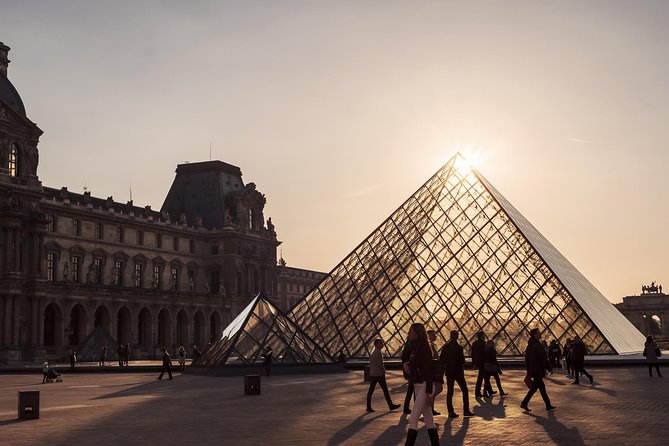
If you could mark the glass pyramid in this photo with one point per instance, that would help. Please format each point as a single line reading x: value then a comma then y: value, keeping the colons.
x: 457, y: 255
x: 258, y: 326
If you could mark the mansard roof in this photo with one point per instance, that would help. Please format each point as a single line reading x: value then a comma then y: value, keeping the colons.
x: 199, y: 191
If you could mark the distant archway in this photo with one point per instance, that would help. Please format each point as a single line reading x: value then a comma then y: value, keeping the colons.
x: 123, y: 326
x: 215, y: 327
x: 165, y: 329
x: 78, y: 325
x: 182, y: 329
x: 199, y: 331
x: 103, y: 318
x: 53, y: 326
x: 144, y: 328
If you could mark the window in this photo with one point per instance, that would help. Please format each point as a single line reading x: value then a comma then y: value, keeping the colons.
x: 175, y: 278
x: 159, y: 241
x: 191, y: 280
x: 120, y: 234
x: 156, y: 276
x: 140, y: 237
x: 175, y: 243
x: 51, y: 226
x: 214, y: 249
x: 117, y: 272
x: 99, y: 231
x: 51, y: 266
x: 76, y: 266
x: 13, y: 161
x: 191, y: 246
x: 76, y: 227
x: 139, y: 270
x: 250, y: 218
x: 97, y: 270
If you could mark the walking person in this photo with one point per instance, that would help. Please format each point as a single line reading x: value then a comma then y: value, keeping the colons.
x: 126, y: 354
x: 377, y: 374
x: 437, y: 368
x: 554, y: 354
x: 492, y: 369
x: 537, y: 364
x: 267, y: 362
x: 651, y: 351
x: 167, y: 364
x: 578, y: 360
x: 103, y: 356
x: 120, y: 351
x: 406, y: 356
x: 453, y: 357
x: 568, y: 356
x: 420, y: 368
x: 182, y: 358
x: 73, y: 358
x: 45, y: 371
x: 478, y: 353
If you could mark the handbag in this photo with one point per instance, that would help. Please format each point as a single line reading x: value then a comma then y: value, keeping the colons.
x: 528, y: 381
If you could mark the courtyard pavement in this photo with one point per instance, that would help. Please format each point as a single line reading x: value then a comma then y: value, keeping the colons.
x: 623, y: 407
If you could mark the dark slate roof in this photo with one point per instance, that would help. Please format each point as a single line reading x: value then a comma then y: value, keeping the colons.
x: 199, y: 191
x: 9, y: 95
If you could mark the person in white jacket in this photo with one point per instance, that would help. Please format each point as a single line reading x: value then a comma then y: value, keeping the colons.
x: 45, y: 371
x: 377, y: 374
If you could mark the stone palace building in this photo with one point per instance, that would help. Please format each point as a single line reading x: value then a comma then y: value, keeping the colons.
x: 72, y: 262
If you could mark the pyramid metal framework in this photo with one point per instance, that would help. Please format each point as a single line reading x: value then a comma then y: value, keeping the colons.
x: 91, y: 348
x: 258, y: 326
x: 457, y: 255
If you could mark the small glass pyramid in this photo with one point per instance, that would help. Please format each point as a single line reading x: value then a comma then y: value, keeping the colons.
x: 258, y: 326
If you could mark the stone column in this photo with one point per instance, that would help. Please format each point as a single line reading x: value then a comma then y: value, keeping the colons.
x: 34, y: 322
x: 40, y: 323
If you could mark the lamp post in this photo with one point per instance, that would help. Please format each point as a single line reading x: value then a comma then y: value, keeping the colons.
x: 644, y: 323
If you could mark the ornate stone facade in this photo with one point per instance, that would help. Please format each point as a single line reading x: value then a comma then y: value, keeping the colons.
x: 648, y: 311
x: 70, y: 262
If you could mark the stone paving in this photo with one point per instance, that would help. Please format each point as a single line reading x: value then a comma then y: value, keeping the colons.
x: 624, y: 407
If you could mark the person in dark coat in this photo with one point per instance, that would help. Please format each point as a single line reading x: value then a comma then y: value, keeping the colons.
x: 167, y: 363
x: 652, y: 352
x: 420, y: 368
x: 578, y: 359
x: 120, y: 351
x: 566, y: 351
x: 267, y: 362
x: 537, y: 363
x: 103, y: 356
x: 73, y: 359
x: 406, y: 355
x: 492, y: 369
x: 478, y: 353
x: 453, y: 358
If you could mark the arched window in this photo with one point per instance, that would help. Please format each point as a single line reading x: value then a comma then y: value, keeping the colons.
x: 13, y: 164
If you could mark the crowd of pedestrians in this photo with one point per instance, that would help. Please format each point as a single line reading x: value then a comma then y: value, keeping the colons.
x: 426, y: 367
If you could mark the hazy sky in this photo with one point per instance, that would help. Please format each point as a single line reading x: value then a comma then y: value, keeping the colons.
x: 340, y: 110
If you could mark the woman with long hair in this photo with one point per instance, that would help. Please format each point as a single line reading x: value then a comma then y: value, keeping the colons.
x: 420, y: 368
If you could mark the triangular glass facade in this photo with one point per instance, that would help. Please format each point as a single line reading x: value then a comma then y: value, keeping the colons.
x: 258, y: 326
x: 91, y: 348
x: 457, y: 255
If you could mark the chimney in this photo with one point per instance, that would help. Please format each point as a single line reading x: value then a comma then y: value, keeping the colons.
x: 4, y: 61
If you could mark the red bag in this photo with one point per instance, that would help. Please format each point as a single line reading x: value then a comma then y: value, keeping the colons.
x: 528, y: 381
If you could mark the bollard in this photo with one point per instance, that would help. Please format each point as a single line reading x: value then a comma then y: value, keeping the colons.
x: 366, y: 377
x: 28, y: 404
x: 252, y: 385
